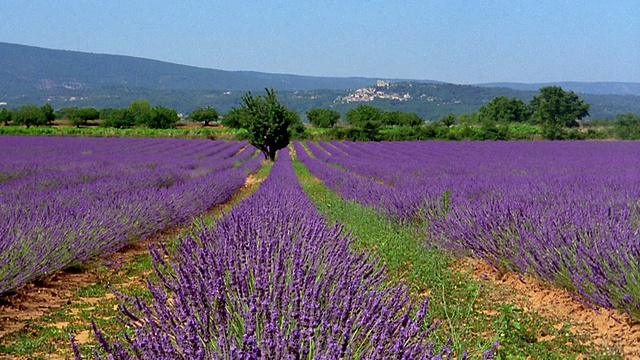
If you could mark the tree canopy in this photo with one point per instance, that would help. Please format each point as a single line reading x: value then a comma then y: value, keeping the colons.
x: 204, y: 115
x: 29, y: 115
x: 80, y: 116
x: 364, y: 114
x: 6, y: 116
x: 268, y: 122
x: 556, y: 107
x: 323, y: 118
x: 162, y: 118
x: 504, y: 110
x: 234, y: 118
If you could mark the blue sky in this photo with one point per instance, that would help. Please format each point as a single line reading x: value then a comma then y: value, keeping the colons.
x: 456, y: 41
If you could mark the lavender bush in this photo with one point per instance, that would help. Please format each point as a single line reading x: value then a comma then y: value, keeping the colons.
x: 271, y: 280
x: 66, y: 200
x: 566, y: 212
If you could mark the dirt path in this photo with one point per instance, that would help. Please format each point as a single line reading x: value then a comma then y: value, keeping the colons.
x: 606, y: 328
x: 35, y: 299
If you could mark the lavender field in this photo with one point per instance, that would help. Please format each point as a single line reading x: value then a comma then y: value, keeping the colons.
x: 273, y: 278
x: 66, y: 200
x: 566, y: 212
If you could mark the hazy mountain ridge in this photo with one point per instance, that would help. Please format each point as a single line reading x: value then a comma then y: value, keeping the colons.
x: 69, y: 78
x: 599, y: 88
x: 27, y: 68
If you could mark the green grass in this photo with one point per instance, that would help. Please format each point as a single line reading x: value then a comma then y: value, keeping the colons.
x: 200, y: 133
x: 473, y: 314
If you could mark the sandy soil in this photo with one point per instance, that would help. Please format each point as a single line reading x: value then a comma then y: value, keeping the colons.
x: 606, y: 328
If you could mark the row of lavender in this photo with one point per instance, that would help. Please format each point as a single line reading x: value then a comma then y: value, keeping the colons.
x: 271, y: 280
x: 65, y: 200
x: 566, y: 212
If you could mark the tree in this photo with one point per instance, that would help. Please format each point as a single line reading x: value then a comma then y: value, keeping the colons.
x: 296, y: 126
x: 556, y: 107
x: 323, y: 118
x: 363, y: 114
x: 627, y: 126
x: 401, y: 118
x: 205, y: 116
x: 162, y: 118
x: 447, y: 120
x: 48, y: 113
x: 141, y: 111
x: 234, y: 118
x: 5, y: 116
x: 268, y: 122
x: 81, y: 116
x: 29, y: 115
x: 504, y: 111
x: 120, y: 118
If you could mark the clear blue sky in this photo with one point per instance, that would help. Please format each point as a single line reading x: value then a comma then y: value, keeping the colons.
x: 456, y: 41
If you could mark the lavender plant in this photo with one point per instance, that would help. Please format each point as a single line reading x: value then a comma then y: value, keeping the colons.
x: 66, y: 200
x: 271, y: 280
x: 566, y: 212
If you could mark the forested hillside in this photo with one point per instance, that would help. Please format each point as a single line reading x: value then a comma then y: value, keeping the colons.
x: 69, y: 78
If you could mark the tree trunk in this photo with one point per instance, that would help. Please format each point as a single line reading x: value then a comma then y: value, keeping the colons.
x: 272, y: 154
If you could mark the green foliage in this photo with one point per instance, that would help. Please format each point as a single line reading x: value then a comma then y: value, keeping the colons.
x: 447, y: 120
x: 553, y: 132
x: 162, y: 118
x: 296, y: 126
x: 81, y: 116
x: 504, y: 111
x: 556, y: 107
x: 120, y: 118
x: 364, y: 114
x: 204, y: 115
x: 5, y: 116
x: 627, y: 126
x: 401, y: 118
x: 235, y: 118
x: 141, y: 111
x: 268, y: 122
x: 323, y: 118
x: 29, y: 115
x: 48, y: 113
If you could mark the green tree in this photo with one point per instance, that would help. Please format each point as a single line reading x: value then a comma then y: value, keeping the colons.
x: 503, y: 110
x: 29, y: 115
x: 556, y: 107
x: 468, y: 119
x: 296, y: 126
x: 447, y: 120
x: 162, y: 118
x: 48, y: 113
x: 81, y: 116
x: 234, y: 118
x: 627, y: 126
x: 120, y: 118
x: 323, y: 118
x: 204, y: 116
x: 141, y: 111
x: 363, y: 114
x: 5, y: 116
x: 401, y: 118
x: 268, y: 122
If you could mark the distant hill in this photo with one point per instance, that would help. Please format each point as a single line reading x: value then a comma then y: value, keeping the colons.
x: 27, y: 68
x: 600, y: 88
x: 69, y: 78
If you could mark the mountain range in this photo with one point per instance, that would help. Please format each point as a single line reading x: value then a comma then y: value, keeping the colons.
x: 31, y: 74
